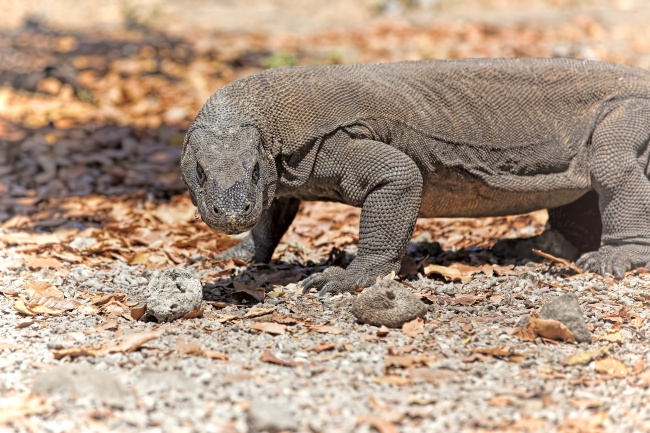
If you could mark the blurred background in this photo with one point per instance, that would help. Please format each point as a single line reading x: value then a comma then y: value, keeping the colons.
x: 95, y: 96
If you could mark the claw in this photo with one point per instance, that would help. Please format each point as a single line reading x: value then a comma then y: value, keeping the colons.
x: 326, y: 289
x: 313, y: 281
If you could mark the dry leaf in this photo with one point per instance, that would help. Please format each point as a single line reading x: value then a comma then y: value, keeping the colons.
x: 268, y: 327
x: 499, y: 352
x: 133, y: 341
x: 611, y: 366
x: 75, y: 352
x: 552, y: 329
x: 22, y: 307
x: 448, y: 273
x: 326, y: 329
x: 414, y: 327
x: 383, y: 331
x: 584, y: 358
x: 393, y: 380
x: 284, y: 319
x: 138, y: 313
x: 19, y: 406
x: 613, y: 337
x: 35, y: 262
x: 272, y: 359
x: 544, y: 328
x: 185, y: 346
x: 559, y: 260
x: 322, y: 347
x: 644, y: 378
x: 406, y: 361
x: 108, y: 325
x: 213, y: 354
x: 192, y: 314
x: 42, y: 289
x: 258, y: 311
x: 467, y: 299
x: 379, y: 424
x: 585, y: 403
x: 502, y: 401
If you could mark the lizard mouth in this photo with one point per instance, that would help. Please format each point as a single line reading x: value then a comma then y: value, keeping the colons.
x: 226, y: 224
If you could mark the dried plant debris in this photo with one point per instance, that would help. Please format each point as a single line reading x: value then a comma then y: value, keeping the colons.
x: 387, y: 303
x: 94, y: 216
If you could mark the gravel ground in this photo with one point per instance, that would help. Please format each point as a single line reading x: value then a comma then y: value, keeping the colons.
x: 338, y: 375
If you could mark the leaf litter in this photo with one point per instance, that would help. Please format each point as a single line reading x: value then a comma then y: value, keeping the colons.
x: 91, y: 199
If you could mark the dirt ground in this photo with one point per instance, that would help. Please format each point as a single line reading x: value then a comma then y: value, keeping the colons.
x: 94, y: 102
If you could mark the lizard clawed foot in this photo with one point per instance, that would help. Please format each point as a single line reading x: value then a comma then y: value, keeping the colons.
x: 615, y: 260
x: 333, y: 279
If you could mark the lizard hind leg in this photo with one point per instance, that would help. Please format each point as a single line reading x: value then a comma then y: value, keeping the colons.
x: 618, y: 171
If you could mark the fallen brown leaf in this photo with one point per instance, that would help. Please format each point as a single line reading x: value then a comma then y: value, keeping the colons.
x: 138, y: 312
x: 584, y: 358
x: 322, y: 347
x: 133, y: 341
x: 268, y: 327
x: 379, y: 424
x: 611, y: 366
x: 185, y: 346
x: 448, y: 273
x: 191, y: 314
x: 406, y: 361
x: 500, y: 352
x: 558, y: 260
x: 467, y: 299
x: 544, y: 328
x: 213, y: 354
x: 612, y: 337
x: 18, y: 406
x: 326, y: 329
x: 414, y: 327
x: 267, y: 356
x: 393, y: 380
x: 35, y: 262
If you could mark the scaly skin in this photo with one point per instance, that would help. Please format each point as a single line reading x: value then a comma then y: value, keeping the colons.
x: 428, y: 139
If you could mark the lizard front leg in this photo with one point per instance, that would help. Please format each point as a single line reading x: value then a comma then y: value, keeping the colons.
x: 258, y: 245
x: 387, y: 185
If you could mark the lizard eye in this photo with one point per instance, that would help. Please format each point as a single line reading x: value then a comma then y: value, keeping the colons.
x: 200, y: 174
x: 256, y: 173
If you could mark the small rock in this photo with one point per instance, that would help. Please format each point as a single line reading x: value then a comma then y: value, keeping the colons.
x: 387, y: 303
x: 84, y: 385
x: 566, y: 309
x: 269, y: 417
x: 172, y: 294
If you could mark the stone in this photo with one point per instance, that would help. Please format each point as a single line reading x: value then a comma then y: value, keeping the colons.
x: 269, y: 417
x: 172, y: 294
x: 566, y: 310
x: 387, y: 303
x: 83, y: 384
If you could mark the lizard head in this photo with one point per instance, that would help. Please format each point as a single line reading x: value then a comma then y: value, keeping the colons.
x: 230, y: 178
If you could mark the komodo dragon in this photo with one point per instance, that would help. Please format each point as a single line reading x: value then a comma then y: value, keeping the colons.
x: 460, y: 138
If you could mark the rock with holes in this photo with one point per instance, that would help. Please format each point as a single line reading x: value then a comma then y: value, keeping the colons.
x: 172, y: 294
x: 387, y: 303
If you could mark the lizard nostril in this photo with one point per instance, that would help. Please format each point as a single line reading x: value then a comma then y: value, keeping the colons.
x: 247, y: 208
x: 215, y: 209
